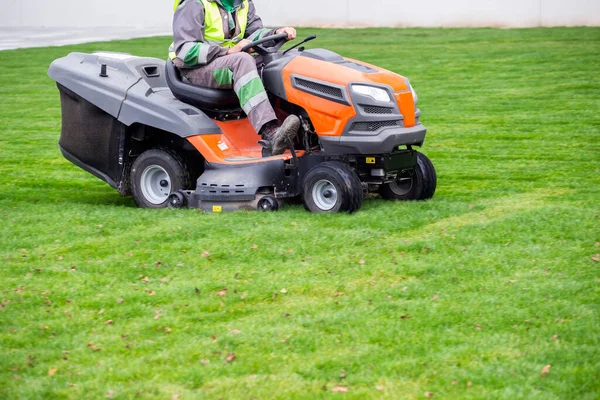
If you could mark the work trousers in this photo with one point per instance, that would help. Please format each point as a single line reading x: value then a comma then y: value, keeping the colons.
x: 237, y: 71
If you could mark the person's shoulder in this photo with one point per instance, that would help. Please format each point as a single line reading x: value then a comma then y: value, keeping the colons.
x: 195, y: 4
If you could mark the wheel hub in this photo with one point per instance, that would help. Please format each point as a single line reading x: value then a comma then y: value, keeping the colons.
x: 403, y: 183
x: 325, y: 195
x: 155, y: 184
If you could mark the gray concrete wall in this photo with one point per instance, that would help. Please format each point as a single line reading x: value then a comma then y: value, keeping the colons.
x: 156, y: 14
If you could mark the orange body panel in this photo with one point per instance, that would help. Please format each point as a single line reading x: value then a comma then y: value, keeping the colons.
x: 330, y: 118
x: 407, y: 107
x: 384, y: 77
x: 237, y: 140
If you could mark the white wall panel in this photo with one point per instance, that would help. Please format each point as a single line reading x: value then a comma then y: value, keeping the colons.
x: 429, y: 13
x: 570, y: 13
x: 86, y: 13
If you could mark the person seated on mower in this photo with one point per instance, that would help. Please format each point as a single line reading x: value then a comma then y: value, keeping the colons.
x: 208, y: 38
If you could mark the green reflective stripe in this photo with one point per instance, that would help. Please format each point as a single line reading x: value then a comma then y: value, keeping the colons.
x: 258, y: 34
x: 249, y: 90
x: 185, y: 49
x: 191, y: 53
x: 244, y: 80
x: 254, y: 36
x: 255, y: 101
x: 263, y: 32
x: 191, y: 56
x: 223, y: 76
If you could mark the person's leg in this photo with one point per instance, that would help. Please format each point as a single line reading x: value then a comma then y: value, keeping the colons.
x: 238, y: 71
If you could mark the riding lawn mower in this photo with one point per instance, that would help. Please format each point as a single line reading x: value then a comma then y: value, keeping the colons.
x: 137, y: 124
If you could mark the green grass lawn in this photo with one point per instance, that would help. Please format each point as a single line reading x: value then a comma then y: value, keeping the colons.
x: 469, y: 295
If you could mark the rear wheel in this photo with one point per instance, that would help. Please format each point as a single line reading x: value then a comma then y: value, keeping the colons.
x: 332, y: 187
x: 413, y: 184
x: 156, y: 174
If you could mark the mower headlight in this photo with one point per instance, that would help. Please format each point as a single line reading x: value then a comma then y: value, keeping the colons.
x: 414, y: 94
x: 373, y: 92
x: 415, y: 97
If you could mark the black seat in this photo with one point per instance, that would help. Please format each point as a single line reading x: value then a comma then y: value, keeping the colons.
x: 201, y: 97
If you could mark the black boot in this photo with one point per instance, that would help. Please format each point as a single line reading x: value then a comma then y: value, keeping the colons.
x: 278, y: 136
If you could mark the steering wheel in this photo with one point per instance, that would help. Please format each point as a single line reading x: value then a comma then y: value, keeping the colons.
x: 279, y: 40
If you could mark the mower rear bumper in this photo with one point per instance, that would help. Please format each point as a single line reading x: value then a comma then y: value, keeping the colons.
x: 385, y: 142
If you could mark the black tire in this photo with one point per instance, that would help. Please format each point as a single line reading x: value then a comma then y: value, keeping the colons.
x: 177, y: 200
x: 268, y: 203
x: 149, y: 173
x: 414, y: 184
x: 332, y: 187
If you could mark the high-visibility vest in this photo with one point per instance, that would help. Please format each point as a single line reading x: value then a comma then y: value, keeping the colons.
x: 214, y: 33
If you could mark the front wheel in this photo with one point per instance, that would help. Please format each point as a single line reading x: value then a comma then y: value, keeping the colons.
x: 177, y: 200
x: 155, y: 175
x: 268, y: 203
x: 418, y: 183
x: 332, y: 187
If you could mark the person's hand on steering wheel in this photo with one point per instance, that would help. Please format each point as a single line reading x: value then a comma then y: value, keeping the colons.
x: 276, y: 41
x: 291, y: 32
x: 239, y: 46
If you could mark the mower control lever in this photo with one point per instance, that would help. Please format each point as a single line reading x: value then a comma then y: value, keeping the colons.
x: 308, y: 39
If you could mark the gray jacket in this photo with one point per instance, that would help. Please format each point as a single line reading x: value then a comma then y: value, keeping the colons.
x: 188, y: 28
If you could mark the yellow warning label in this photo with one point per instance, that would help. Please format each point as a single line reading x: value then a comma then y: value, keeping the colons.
x: 217, y: 209
x: 370, y: 160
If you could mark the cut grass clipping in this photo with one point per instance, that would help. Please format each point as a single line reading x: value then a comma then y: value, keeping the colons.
x: 490, y: 290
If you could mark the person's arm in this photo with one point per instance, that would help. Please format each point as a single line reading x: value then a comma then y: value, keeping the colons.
x: 188, y: 34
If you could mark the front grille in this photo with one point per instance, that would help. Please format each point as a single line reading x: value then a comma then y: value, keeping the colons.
x: 373, y: 126
x: 378, y: 110
x: 314, y: 87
